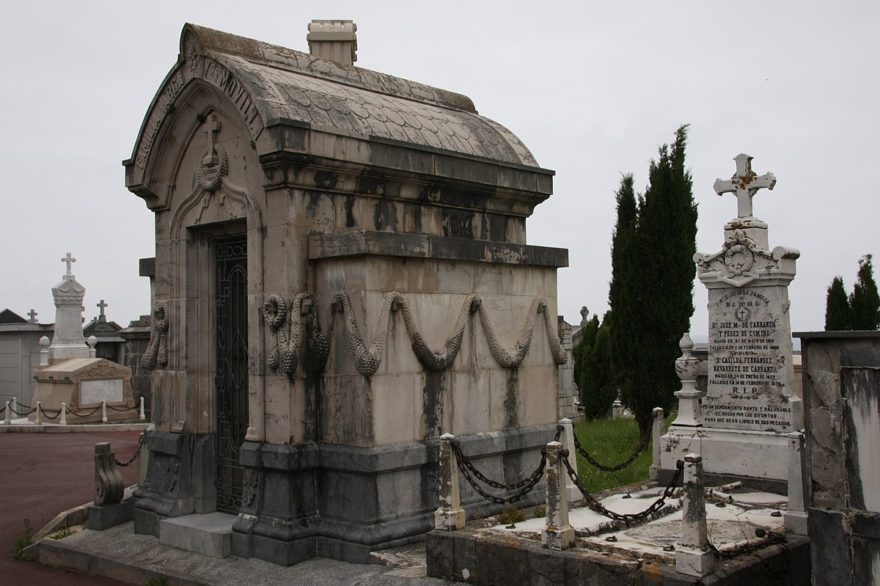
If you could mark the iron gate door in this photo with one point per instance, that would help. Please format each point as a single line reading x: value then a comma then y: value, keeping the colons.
x: 231, y: 376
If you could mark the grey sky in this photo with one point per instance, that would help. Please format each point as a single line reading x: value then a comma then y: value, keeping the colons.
x: 591, y: 88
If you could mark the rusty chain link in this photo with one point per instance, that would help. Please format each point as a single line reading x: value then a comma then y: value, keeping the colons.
x: 46, y: 413
x: 598, y: 507
x: 137, y: 452
x: 580, y: 450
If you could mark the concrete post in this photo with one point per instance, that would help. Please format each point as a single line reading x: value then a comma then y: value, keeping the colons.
x: 103, y: 410
x: 15, y: 406
x: 557, y: 534
x: 692, y: 556
x: 449, y: 515
x: 44, y: 351
x: 798, y: 496
x: 63, y: 419
x: 39, y: 418
x: 142, y: 414
x: 689, y: 411
x: 656, y: 432
x: 7, y: 419
x: 567, y: 438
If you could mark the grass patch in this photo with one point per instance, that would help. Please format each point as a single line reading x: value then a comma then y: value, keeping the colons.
x: 23, y: 542
x: 611, y: 441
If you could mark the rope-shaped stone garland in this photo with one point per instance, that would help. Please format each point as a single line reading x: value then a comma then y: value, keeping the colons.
x: 285, y: 342
x: 436, y: 361
x: 157, y: 348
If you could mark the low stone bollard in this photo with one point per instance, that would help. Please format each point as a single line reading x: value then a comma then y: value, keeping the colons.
x: 141, y: 413
x: 103, y: 411
x: 63, y: 419
x: 795, y: 517
x: 656, y: 433
x: 449, y: 515
x: 557, y: 534
x: 108, y: 509
x: 693, y: 556
x: 574, y: 494
x: 7, y: 418
x: 38, y: 418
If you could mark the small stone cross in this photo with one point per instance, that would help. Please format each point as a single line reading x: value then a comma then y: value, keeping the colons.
x: 101, y: 307
x: 68, y: 259
x: 212, y: 130
x: 33, y: 316
x: 745, y: 183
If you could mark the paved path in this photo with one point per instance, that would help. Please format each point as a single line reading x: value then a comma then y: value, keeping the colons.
x: 42, y: 474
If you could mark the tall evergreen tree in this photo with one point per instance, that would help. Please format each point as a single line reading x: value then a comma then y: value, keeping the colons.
x: 598, y: 388
x: 864, y: 302
x: 656, y: 284
x: 582, y: 350
x: 837, y: 310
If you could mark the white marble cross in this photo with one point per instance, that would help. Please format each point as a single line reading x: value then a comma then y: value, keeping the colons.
x: 68, y: 259
x: 745, y: 183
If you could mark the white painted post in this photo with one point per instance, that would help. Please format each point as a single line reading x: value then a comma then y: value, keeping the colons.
x: 449, y: 515
x: 15, y: 407
x: 689, y: 411
x: 558, y: 533
x: 39, y: 418
x: 692, y: 556
x: 103, y: 410
x: 656, y: 433
x: 63, y: 420
x: 567, y: 438
x: 796, y: 516
x: 92, y: 343
x: 7, y: 419
x: 142, y: 414
x: 44, y: 351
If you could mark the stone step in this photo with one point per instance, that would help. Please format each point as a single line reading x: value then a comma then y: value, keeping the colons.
x: 208, y: 534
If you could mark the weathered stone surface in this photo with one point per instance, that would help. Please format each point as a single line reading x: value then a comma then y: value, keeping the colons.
x: 106, y: 516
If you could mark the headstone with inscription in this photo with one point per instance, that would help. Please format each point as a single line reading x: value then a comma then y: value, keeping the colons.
x: 750, y: 402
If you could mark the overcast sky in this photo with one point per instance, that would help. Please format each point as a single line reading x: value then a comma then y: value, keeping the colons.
x: 591, y: 88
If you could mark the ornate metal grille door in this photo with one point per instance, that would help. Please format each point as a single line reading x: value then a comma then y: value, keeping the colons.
x: 231, y: 378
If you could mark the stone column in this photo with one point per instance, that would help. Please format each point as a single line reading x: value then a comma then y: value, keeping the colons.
x: 449, y: 515
x: 693, y: 556
x: 656, y: 433
x: 796, y: 515
x: 689, y: 413
x: 558, y: 534
x: 574, y: 494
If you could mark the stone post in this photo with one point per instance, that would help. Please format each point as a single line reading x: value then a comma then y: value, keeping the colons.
x: 7, y: 419
x: 557, y: 534
x: 92, y: 342
x: 449, y: 515
x: 142, y: 414
x: 15, y: 406
x: 103, y: 410
x: 38, y: 419
x: 689, y: 412
x: 617, y: 407
x: 63, y: 416
x: 693, y: 556
x: 44, y: 351
x: 656, y: 433
x: 796, y: 515
x: 567, y: 437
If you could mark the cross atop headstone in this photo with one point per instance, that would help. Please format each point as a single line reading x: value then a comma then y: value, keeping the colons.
x: 68, y: 259
x: 33, y: 316
x: 745, y: 183
x: 101, y: 307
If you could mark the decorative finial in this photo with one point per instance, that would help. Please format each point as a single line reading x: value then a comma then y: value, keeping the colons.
x: 68, y: 259
x: 33, y: 316
x: 101, y: 306
x: 745, y: 183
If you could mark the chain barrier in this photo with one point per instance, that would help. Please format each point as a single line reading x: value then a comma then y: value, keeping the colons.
x: 20, y: 414
x: 768, y: 538
x: 92, y: 412
x: 521, y: 487
x: 46, y: 413
x: 123, y: 408
x: 580, y: 450
x: 137, y: 452
x: 598, y: 507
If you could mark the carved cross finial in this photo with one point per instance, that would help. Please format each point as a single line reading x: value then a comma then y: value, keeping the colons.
x: 745, y: 183
x: 33, y: 316
x: 101, y: 307
x: 68, y: 259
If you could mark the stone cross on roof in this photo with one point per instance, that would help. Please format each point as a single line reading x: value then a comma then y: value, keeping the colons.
x: 745, y: 183
x: 33, y: 316
x: 68, y: 259
x: 101, y: 307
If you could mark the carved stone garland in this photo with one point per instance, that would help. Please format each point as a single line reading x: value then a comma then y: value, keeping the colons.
x: 157, y: 349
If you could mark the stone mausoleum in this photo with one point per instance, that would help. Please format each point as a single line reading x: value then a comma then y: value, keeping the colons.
x: 341, y: 276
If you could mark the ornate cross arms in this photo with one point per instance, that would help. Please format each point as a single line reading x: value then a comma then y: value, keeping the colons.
x: 745, y: 183
x: 68, y: 259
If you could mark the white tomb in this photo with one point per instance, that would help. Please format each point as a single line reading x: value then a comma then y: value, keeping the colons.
x: 739, y: 426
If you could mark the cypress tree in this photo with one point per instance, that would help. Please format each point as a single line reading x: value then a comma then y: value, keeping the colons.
x: 660, y: 273
x: 864, y: 302
x: 598, y: 388
x: 582, y: 350
x: 837, y: 310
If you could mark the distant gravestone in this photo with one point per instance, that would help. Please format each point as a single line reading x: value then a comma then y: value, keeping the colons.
x: 750, y: 399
